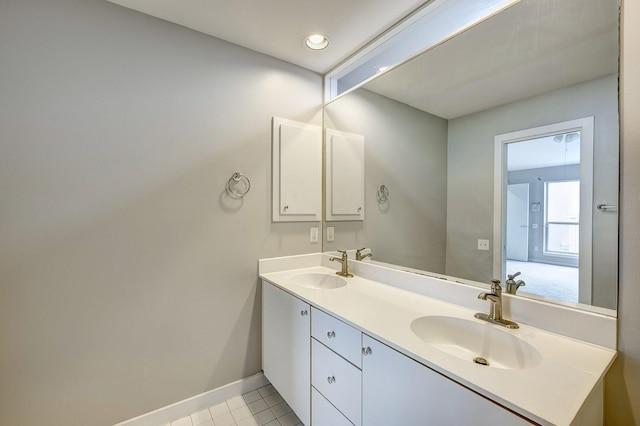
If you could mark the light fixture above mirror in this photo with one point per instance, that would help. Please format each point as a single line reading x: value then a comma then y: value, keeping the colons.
x: 434, y: 23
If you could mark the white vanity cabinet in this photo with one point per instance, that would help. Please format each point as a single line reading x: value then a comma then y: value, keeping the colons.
x: 396, y: 390
x: 330, y: 373
x: 286, y: 350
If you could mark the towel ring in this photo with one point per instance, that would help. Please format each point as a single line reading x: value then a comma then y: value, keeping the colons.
x: 233, y: 180
x: 382, y: 194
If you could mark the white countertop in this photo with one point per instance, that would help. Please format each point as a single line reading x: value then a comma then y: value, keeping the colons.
x: 551, y: 392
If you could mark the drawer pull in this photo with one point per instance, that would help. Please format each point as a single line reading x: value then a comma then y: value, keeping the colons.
x: 366, y: 351
x: 331, y: 379
x: 304, y: 312
x: 331, y: 334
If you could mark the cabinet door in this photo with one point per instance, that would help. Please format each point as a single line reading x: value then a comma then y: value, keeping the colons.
x: 297, y: 171
x: 286, y: 348
x: 397, y: 390
x: 344, y: 176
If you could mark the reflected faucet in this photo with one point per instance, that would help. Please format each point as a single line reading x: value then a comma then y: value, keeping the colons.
x: 360, y: 256
x: 511, y: 285
x: 345, y: 265
x: 495, y: 306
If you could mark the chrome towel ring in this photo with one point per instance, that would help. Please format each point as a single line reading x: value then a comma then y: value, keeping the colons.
x: 383, y: 194
x: 238, y: 179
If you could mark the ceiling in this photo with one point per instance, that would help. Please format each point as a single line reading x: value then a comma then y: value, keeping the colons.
x: 278, y: 27
x: 533, y: 47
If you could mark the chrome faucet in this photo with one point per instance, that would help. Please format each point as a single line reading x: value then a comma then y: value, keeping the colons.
x: 511, y: 285
x: 345, y: 264
x: 495, y: 306
x: 360, y: 256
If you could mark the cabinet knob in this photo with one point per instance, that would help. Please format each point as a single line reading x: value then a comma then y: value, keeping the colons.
x: 331, y: 334
x: 331, y: 379
x: 304, y: 312
x: 359, y: 209
x: 285, y: 208
x: 366, y: 351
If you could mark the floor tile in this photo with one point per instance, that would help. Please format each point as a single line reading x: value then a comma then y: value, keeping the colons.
x: 236, y: 402
x: 264, y: 417
x: 207, y: 423
x: 219, y: 409
x: 281, y: 409
x: 201, y: 417
x: 251, y: 396
x: 273, y: 399
x: 224, y: 420
x: 273, y: 423
x: 266, y: 390
x: 257, y: 406
x: 241, y: 413
x: 289, y: 420
x: 249, y: 421
x: 185, y: 421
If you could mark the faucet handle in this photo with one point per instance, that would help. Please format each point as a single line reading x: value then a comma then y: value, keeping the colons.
x: 514, y: 275
x: 495, y: 285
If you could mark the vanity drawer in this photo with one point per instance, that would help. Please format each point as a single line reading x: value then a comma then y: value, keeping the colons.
x: 323, y: 413
x: 335, y: 334
x: 337, y: 380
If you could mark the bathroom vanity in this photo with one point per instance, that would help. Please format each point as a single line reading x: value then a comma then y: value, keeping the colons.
x: 382, y: 348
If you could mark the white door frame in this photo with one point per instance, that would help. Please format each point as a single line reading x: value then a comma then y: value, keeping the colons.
x: 585, y: 126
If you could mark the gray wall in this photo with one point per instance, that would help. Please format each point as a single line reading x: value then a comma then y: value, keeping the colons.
x: 128, y: 279
x: 622, y: 391
x: 470, y: 176
x: 405, y: 149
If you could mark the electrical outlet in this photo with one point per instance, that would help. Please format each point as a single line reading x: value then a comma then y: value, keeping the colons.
x: 330, y: 235
x: 483, y: 244
x: 313, y: 234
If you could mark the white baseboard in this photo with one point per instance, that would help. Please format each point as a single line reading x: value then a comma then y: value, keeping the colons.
x: 196, y: 403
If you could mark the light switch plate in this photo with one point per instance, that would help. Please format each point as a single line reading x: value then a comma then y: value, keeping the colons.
x: 330, y: 235
x: 313, y: 234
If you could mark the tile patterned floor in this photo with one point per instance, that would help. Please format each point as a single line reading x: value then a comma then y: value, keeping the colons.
x: 261, y: 407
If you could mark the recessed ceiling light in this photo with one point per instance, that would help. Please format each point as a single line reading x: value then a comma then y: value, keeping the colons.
x: 316, y: 41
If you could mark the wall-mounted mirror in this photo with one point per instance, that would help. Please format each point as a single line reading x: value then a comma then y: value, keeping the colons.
x: 430, y: 129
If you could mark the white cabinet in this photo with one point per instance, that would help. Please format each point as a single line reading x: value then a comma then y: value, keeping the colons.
x: 324, y: 413
x: 344, y: 176
x: 286, y: 349
x: 397, y: 390
x: 296, y: 171
x: 310, y: 358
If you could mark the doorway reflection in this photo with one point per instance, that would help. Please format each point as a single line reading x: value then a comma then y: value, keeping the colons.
x: 543, y: 214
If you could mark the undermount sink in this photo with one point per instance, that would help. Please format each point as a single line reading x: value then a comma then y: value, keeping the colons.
x: 471, y: 341
x: 319, y: 280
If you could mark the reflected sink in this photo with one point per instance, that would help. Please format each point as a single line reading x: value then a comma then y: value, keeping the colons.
x: 318, y: 280
x: 469, y: 340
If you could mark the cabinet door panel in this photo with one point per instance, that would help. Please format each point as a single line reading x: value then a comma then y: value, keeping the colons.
x: 338, y: 380
x: 397, y: 390
x: 325, y: 414
x: 344, y: 176
x: 286, y: 351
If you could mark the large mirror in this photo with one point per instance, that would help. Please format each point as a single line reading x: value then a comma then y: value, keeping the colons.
x: 498, y: 151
